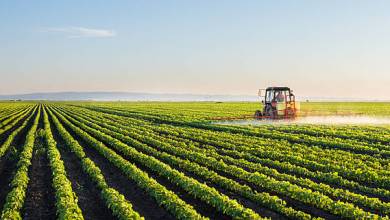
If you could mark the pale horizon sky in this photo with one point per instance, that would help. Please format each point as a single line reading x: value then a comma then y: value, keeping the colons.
x: 318, y: 48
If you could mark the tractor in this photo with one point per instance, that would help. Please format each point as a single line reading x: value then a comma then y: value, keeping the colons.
x: 277, y: 103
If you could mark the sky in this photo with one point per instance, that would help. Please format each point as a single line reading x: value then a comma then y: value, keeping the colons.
x: 337, y: 49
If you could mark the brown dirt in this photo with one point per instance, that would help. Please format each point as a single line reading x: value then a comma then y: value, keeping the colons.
x: 142, y: 202
x: 9, y: 160
x: 89, y: 200
x: 200, y: 206
x: 40, y: 196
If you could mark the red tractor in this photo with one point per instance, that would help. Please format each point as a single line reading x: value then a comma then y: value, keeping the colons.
x: 277, y: 103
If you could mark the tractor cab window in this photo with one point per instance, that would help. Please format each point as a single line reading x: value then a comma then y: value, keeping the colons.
x: 280, y: 96
x: 269, y: 96
x: 288, y: 96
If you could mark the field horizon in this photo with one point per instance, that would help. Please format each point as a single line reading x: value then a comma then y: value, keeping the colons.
x: 144, y: 96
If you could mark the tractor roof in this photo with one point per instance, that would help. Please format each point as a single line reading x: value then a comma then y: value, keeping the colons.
x: 278, y: 88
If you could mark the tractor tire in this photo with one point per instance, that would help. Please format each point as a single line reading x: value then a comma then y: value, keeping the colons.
x: 269, y: 112
x: 258, y: 114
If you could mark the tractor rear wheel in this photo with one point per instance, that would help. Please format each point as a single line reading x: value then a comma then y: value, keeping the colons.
x: 258, y: 114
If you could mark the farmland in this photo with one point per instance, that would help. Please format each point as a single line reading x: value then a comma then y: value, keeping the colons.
x: 134, y: 160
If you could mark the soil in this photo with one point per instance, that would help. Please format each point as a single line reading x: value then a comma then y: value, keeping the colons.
x: 5, y: 135
x: 6, y: 176
x: 89, y: 200
x: 265, y: 212
x: 207, y: 211
x: 9, y: 160
x: 291, y: 202
x: 142, y: 202
x: 295, y: 204
x: 40, y: 196
x: 382, y: 198
x: 200, y: 206
x: 210, y: 212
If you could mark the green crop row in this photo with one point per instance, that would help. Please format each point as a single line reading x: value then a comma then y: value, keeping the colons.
x: 124, y: 132
x: 248, y: 135
x: 192, y: 186
x: 263, y: 199
x: 8, y: 113
x: 7, y: 143
x: 66, y: 200
x: 374, y: 139
x: 12, y: 121
x: 346, y: 210
x: 239, y: 151
x: 366, y: 176
x: 168, y: 199
x: 115, y: 201
x: 16, y: 196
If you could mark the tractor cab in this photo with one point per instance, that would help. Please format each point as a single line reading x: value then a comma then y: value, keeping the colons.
x: 277, y: 103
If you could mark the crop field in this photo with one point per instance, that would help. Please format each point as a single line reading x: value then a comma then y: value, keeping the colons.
x: 157, y: 160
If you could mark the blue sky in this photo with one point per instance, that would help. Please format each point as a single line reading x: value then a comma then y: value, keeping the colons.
x: 319, y: 48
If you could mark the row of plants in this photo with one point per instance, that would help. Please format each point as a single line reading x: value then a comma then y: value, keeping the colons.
x: 146, y: 132
x: 188, y: 152
x: 9, y: 112
x: 10, y: 138
x: 365, y: 177
x: 164, y: 197
x: 345, y: 132
x: 361, y: 196
x: 263, y: 199
x: 310, y: 153
x: 194, y: 110
x: 198, y: 190
x: 66, y: 199
x: 248, y: 135
x: 327, y: 155
x: 124, y: 135
x: 326, y: 141
x: 285, y: 167
x: 238, y: 151
x: 379, y: 178
x: 16, y: 196
x: 116, y: 202
x: 305, y: 140
x: 15, y: 119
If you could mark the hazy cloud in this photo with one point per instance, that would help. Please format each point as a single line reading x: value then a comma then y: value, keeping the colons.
x: 81, y: 32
